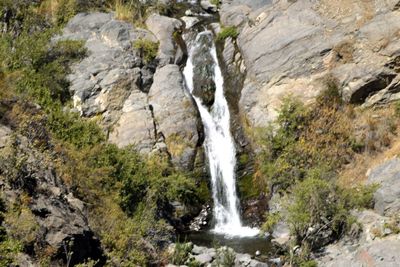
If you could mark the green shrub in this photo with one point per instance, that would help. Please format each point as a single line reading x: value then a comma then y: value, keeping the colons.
x: 310, y: 263
x: 181, y: 253
x: 225, y: 257
x: 215, y: 2
x: 360, y: 197
x: 227, y: 32
x: 272, y: 220
x: 70, y: 128
x: 66, y: 9
x: 147, y: 49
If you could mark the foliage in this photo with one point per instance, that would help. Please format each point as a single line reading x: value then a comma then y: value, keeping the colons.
x: 305, y: 139
x: 225, y: 257
x: 319, y: 203
x: 315, y: 202
x: 360, y: 196
x: 9, y: 247
x: 310, y: 263
x: 137, y: 11
x: 227, y: 32
x: 128, y: 196
x: 147, y: 49
x: 215, y: 2
x: 69, y: 127
x: 272, y: 220
x: 181, y: 253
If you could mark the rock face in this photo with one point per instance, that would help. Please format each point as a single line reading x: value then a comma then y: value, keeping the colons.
x: 373, y: 245
x: 175, y: 116
x: 223, y: 256
x: 164, y: 28
x: 387, y: 196
x: 381, y: 253
x: 102, y: 81
x: 59, y: 216
x: 117, y: 84
x: 291, y: 47
x: 203, y: 86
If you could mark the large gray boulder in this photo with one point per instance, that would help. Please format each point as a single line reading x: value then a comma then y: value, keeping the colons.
x: 291, y: 47
x: 102, y: 81
x: 379, y: 253
x: 164, y: 28
x: 135, y: 126
x: 175, y: 115
x: 387, y: 196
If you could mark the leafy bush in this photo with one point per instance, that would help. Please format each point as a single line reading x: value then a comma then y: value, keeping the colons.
x: 70, y: 128
x: 225, y: 257
x: 181, y: 253
x: 315, y: 203
x: 215, y: 2
x: 272, y: 220
x: 315, y: 138
x: 147, y: 49
x: 227, y: 32
x: 318, y: 204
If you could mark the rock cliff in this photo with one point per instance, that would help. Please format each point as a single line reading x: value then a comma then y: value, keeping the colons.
x: 291, y: 47
x: 140, y: 103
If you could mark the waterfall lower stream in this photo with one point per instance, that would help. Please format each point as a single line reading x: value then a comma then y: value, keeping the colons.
x: 219, y: 144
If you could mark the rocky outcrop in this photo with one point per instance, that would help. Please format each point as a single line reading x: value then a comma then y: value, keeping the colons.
x: 223, y: 256
x: 203, y: 71
x: 102, y: 81
x: 381, y: 253
x: 61, y: 225
x: 387, y: 178
x: 376, y: 245
x: 164, y: 29
x: 175, y: 116
x: 115, y: 83
x: 290, y: 47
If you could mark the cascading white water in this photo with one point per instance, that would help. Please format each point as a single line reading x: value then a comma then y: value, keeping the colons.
x: 220, y: 149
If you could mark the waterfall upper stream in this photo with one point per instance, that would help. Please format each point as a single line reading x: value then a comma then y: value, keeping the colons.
x: 219, y: 144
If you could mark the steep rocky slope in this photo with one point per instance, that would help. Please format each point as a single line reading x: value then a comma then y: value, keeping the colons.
x: 290, y: 47
x: 114, y: 82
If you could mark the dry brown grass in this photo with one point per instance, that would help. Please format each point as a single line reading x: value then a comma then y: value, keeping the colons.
x: 377, y: 129
x: 339, y: 10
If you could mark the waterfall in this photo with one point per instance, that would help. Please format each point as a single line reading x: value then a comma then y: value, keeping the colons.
x: 219, y: 146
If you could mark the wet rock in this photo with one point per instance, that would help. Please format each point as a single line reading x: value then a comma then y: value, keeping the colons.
x: 387, y: 196
x: 190, y: 21
x: 201, y: 221
x: 203, y: 72
x: 254, y: 210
